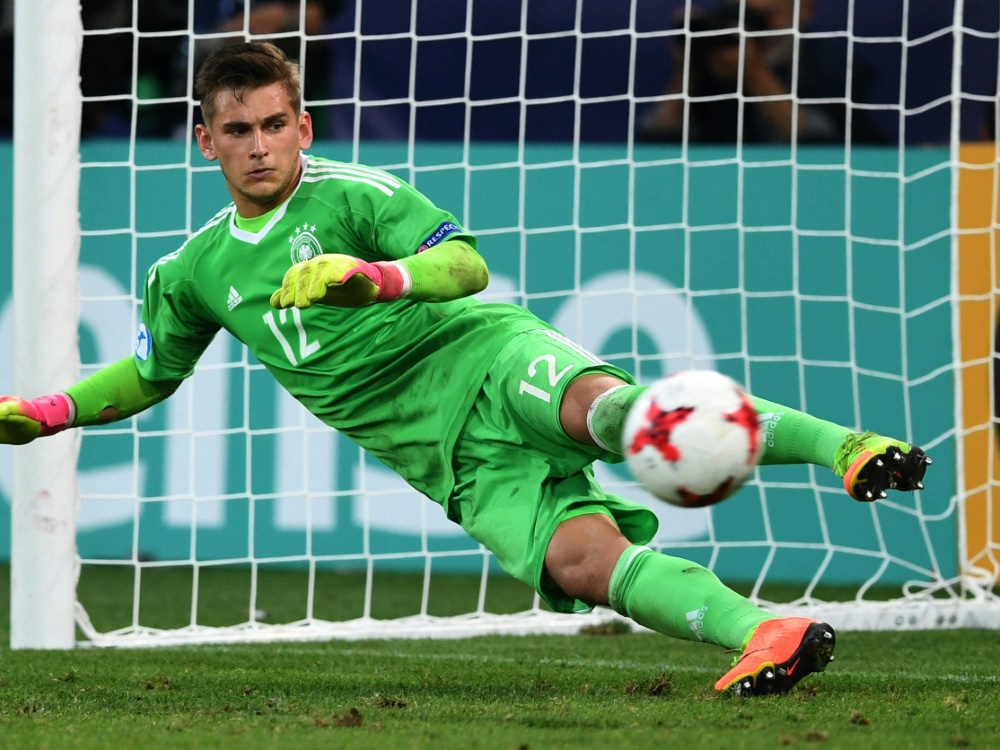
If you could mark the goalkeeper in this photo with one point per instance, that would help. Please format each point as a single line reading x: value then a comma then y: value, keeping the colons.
x: 355, y: 292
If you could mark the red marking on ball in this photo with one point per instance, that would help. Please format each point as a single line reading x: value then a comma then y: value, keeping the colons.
x: 746, y: 417
x: 694, y: 500
x: 659, y: 424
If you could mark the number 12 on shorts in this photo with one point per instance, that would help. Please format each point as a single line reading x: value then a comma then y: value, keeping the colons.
x: 545, y: 367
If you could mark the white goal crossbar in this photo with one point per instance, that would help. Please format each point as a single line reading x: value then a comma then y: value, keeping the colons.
x: 750, y: 259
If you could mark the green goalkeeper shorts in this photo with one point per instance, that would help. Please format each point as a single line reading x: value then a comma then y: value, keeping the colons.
x: 518, y: 475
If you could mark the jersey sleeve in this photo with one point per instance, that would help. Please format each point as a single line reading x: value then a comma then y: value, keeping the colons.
x: 175, y: 327
x: 407, y: 223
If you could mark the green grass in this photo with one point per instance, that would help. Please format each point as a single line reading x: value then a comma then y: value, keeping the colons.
x: 625, y: 690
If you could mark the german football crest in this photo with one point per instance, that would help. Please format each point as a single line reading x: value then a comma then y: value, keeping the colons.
x: 304, y: 243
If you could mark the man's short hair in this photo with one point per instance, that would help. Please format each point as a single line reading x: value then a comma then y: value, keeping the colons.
x: 245, y: 67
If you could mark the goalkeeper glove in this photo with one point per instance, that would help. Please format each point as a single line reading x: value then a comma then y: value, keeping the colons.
x: 340, y: 281
x: 22, y: 421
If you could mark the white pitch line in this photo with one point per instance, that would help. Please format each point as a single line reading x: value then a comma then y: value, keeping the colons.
x: 643, y: 666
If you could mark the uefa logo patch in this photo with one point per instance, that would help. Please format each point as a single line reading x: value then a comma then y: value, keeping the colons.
x: 143, y: 344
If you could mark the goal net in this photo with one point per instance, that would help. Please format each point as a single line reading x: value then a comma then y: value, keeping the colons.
x: 828, y: 239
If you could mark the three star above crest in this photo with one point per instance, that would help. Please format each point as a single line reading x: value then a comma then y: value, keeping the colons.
x: 304, y: 228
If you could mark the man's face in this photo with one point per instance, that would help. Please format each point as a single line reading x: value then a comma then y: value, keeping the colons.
x: 257, y: 142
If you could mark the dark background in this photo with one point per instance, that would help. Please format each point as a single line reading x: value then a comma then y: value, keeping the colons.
x: 372, y: 102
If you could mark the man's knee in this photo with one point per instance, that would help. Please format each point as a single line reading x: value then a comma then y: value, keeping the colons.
x: 582, y: 555
x: 577, y: 401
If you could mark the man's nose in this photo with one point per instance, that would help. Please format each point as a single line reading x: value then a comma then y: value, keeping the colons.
x: 259, y: 149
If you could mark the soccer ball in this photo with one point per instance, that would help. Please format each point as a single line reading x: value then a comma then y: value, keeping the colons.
x: 692, y: 438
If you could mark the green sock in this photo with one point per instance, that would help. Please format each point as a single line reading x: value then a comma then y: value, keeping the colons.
x: 794, y: 437
x: 680, y: 598
x: 607, y: 415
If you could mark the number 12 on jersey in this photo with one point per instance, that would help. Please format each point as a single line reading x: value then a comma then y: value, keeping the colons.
x: 306, y: 347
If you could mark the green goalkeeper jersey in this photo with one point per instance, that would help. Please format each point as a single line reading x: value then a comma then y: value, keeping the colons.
x: 398, y: 378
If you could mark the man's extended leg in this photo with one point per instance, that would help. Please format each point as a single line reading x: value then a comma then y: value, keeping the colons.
x: 590, y: 559
x: 870, y: 464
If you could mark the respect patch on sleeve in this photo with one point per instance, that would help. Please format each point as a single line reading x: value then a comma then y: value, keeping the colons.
x: 446, y: 229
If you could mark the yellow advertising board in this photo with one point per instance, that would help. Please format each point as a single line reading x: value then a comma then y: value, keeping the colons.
x: 978, y: 283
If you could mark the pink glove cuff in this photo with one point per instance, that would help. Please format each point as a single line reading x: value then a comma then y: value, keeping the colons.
x: 55, y: 413
x: 395, y: 281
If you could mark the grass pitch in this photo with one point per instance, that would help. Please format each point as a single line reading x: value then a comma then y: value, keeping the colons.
x: 900, y: 690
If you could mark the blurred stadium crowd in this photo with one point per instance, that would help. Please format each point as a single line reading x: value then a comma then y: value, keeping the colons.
x: 897, y: 74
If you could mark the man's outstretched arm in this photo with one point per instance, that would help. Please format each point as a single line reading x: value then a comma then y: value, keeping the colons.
x: 447, y: 271
x: 116, y: 392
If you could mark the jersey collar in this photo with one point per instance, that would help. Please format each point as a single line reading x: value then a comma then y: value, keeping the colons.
x: 254, y: 238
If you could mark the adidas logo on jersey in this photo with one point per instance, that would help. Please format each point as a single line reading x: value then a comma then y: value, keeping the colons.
x: 234, y: 298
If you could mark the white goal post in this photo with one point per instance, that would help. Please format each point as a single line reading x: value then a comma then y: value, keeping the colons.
x: 44, y: 563
x: 855, y: 280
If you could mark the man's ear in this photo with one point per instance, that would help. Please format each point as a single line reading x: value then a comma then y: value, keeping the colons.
x: 204, y: 138
x: 305, y: 131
